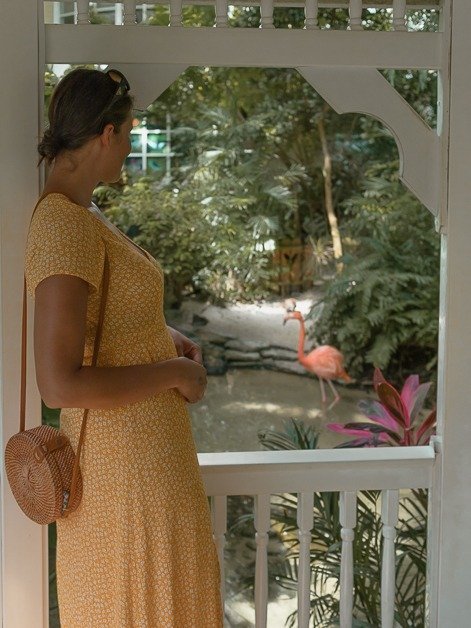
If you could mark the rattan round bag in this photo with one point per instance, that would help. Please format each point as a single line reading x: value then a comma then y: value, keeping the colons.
x: 39, y: 465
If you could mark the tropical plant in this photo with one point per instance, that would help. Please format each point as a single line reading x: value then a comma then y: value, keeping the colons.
x: 367, y: 545
x: 382, y: 309
x: 395, y: 419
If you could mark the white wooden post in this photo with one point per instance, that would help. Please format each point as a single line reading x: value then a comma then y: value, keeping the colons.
x: 221, y: 14
x: 83, y: 12
x: 399, y: 15
x: 311, y: 9
x: 355, y: 9
x: 219, y: 517
x: 262, y: 526
x: 24, y: 544
x: 129, y: 11
x: 450, y: 600
x: 175, y: 12
x: 348, y: 519
x: 304, y: 521
x: 266, y: 14
x: 389, y: 515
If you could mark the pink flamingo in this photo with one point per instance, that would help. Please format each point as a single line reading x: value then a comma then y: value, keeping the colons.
x: 325, y: 361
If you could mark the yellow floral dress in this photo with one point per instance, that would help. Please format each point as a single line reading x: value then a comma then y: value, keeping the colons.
x: 138, y: 552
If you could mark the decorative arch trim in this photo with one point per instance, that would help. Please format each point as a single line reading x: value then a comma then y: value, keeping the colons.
x: 365, y: 90
x: 149, y: 80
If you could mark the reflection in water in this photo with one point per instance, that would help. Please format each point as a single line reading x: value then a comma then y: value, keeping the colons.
x: 242, y: 402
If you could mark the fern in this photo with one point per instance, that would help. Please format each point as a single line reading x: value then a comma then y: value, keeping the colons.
x: 382, y: 309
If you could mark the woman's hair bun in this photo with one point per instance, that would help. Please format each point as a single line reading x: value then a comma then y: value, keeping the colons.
x: 50, y: 145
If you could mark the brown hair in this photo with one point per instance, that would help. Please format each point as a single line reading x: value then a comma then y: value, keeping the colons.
x: 79, y: 110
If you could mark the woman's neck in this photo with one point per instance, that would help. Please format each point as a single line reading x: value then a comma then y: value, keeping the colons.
x: 78, y: 187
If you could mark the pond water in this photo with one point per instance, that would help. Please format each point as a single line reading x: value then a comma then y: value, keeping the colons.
x: 243, y: 401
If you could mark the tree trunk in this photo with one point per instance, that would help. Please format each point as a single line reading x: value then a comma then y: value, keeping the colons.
x: 329, y: 202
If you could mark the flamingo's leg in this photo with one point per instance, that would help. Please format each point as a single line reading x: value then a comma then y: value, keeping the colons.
x: 334, y: 390
x: 323, y: 395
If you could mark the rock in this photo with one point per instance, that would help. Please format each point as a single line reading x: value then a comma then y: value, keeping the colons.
x: 245, y: 345
x: 199, y: 321
x: 212, y: 337
x: 279, y: 354
x: 243, y: 365
x: 242, y: 356
x: 214, y: 365
x: 214, y: 360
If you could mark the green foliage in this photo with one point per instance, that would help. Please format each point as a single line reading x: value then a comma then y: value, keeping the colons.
x: 202, y: 241
x: 367, y: 547
x: 50, y: 416
x: 382, y: 309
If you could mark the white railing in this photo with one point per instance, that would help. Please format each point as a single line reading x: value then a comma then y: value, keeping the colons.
x: 347, y: 471
x: 125, y: 12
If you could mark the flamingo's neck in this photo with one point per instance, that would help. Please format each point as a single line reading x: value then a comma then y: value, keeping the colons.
x: 302, y: 335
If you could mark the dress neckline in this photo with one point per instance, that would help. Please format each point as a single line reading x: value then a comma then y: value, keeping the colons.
x: 118, y: 232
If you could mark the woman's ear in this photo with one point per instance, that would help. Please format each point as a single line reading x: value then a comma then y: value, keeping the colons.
x: 107, y: 134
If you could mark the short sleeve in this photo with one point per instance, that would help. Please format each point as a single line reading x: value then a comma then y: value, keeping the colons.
x: 63, y: 239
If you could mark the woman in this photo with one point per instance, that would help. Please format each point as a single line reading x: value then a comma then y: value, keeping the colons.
x: 138, y: 551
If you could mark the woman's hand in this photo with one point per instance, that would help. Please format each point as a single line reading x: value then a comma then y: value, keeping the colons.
x: 192, y: 380
x: 185, y: 347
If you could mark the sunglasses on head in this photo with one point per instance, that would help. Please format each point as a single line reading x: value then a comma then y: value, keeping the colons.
x: 122, y: 82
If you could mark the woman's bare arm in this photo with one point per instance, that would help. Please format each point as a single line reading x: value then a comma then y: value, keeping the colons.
x: 59, y: 341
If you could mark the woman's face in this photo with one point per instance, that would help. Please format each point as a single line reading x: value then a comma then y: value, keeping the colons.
x: 120, y: 148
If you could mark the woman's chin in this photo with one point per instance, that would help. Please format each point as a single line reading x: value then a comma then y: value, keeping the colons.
x: 112, y: 178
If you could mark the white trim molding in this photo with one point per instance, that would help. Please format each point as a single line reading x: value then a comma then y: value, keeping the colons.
x: 365, y: 90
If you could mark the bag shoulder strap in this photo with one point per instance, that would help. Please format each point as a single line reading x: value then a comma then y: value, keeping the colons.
x: 101, y: 316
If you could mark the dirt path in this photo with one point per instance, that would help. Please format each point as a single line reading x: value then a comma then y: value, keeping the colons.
x: 250, y: 321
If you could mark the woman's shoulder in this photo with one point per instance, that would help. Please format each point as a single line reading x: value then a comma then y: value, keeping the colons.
x: 56, y: 210
x: 56, y: 202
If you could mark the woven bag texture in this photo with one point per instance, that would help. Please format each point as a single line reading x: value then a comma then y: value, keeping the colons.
x: 39, y: 487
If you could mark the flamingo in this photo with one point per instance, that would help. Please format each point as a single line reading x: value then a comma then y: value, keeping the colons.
x: 325, y: 361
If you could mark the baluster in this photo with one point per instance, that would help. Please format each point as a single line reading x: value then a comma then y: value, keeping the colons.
x: 399, y: 15
x: 221, y: 13
x: 129, y: 7
x: 266, y: 14
x: 348, y: 517
x: 389, y: 516
x: 304, y: 520
x: 118, y: 13
x: 219, y: 516
x: 311, y: 9
x: 57, y: 13
x: 175, y: 12
x: 355, y: 15
x: 262, y: 525
x: 83, y: 12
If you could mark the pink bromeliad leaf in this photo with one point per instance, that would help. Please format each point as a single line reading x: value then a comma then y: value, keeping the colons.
x: 378, y: 378
x: 367, y: 431
x: 372, y: 440
x: 378, y: 413
x: 391, y: 399
x: 413, y: 396
x: 422, y: 392
x: 341, y: 429
x: 409, y: 391
x: 374, y: 428
x: 357, y: 442
x: 426, y: 429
